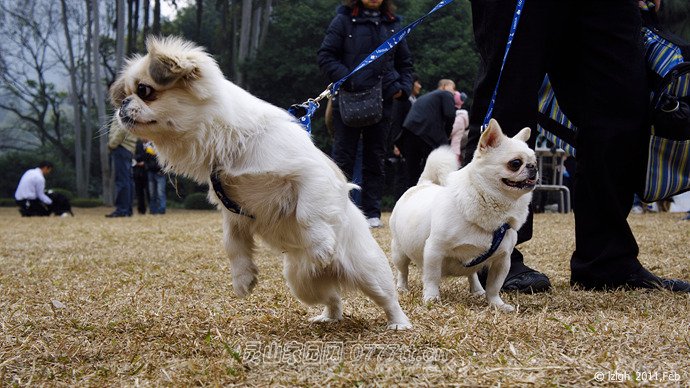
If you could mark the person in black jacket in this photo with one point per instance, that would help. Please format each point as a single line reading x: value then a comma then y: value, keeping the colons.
x: 427, y: 126
x: 358, y: 28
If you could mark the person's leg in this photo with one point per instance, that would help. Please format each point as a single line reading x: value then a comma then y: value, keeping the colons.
x: 32, y: 208
x: 161, y: 186
x: 356, y: 195
x: 600, y: 83
x: 22, y: 205
x: 516, y: 103
x: 344, y: 145
x: 413, y: 151
x: 373, y: 153
x: 154, y: 204
x: 140, y: 183
x: 122, y: 164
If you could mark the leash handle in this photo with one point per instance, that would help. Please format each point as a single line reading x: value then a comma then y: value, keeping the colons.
x: 513, y: 27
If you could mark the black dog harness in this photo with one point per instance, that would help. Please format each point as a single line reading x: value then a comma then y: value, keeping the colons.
x: 227, y: 201
x: 498, y: 238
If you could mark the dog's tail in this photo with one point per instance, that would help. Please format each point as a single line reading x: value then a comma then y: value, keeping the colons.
x: 441, y: 162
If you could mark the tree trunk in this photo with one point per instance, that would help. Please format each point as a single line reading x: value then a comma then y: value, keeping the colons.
x: 135, y: 27
x: 199, y: 17
x: 88, y: 118
x: 106, y: 171
x: 130, y: 26
x: 256, y: 30
x: 147, y: 6
x: 156, y: 28
x: 106, y: 184
x: 245, y: 35
x: 266, y: 19
x: 76, y: 106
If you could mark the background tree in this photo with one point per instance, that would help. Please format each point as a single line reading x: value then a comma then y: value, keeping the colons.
x: 26, y: 89
x: 99, y: 92
x: 82, y: 180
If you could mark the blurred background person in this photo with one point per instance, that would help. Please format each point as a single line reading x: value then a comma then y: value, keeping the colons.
x: 30, y: 195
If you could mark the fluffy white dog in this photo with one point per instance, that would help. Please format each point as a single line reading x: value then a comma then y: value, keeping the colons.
x: 281, y: 186
x: 447, y: 223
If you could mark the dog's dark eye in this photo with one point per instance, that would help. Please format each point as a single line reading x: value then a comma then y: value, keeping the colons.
x: 145, y: 92
x: 515, y: 164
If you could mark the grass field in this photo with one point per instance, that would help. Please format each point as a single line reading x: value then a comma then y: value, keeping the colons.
x: 147, y: 300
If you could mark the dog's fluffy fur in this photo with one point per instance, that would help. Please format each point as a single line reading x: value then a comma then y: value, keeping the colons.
x: 200, y: 122
x: 449, y: 218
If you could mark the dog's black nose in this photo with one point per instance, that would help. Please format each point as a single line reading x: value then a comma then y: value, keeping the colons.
x: 126, y: 101
x: 532, y: 170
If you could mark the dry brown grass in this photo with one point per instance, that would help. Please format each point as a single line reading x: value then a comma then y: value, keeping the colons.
x: 147, y: 300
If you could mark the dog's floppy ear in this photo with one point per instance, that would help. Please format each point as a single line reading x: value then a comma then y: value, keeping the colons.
x: 491, y: 137
x: 523, y: 134
x: 167, y: 63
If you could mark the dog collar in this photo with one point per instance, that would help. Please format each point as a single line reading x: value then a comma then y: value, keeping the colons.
x: 227, y: 201
x: 498, y: 238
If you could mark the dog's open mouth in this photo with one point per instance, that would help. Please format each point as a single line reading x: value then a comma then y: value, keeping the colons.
x: 524, y: 184
x: 129, y: 122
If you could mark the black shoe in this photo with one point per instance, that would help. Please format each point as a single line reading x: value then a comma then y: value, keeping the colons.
x: 113, y: 215
x: 641, y: 279
x: 526, y: 282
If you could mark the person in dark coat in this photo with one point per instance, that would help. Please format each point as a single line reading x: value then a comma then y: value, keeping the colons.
x: 358, y: 28
x: 427, y: 126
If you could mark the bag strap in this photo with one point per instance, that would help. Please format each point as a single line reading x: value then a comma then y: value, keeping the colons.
x: 669, y: 80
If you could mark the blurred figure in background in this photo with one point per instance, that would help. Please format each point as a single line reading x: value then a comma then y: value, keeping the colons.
x: 30, y: 195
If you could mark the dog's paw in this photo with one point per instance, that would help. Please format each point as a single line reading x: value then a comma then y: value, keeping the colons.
x: 324, y: 319
x: 399, y: 326
x: 403, y: 288
x: 431, y: 297
x: 244, y: 283
x: 478, y: 294
x: 504, y: 308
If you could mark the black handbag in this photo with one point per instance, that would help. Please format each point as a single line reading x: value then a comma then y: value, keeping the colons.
x: 359, y: 109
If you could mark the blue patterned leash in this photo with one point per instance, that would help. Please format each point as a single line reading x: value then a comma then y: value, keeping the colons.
x: 304, y: 111
x: 513, y: 27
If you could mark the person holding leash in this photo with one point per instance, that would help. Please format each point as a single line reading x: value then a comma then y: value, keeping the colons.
x: 592, y: 53
x: 358, y: 28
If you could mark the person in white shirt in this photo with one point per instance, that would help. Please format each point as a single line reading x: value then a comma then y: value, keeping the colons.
x: 30, y: 195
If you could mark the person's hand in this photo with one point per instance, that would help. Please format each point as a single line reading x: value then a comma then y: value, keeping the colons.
x: 398, y: 94
x: 396, y: 151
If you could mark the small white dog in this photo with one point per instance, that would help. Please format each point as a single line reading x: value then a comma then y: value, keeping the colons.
x: 446, y: 224
x: 281, y: 186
